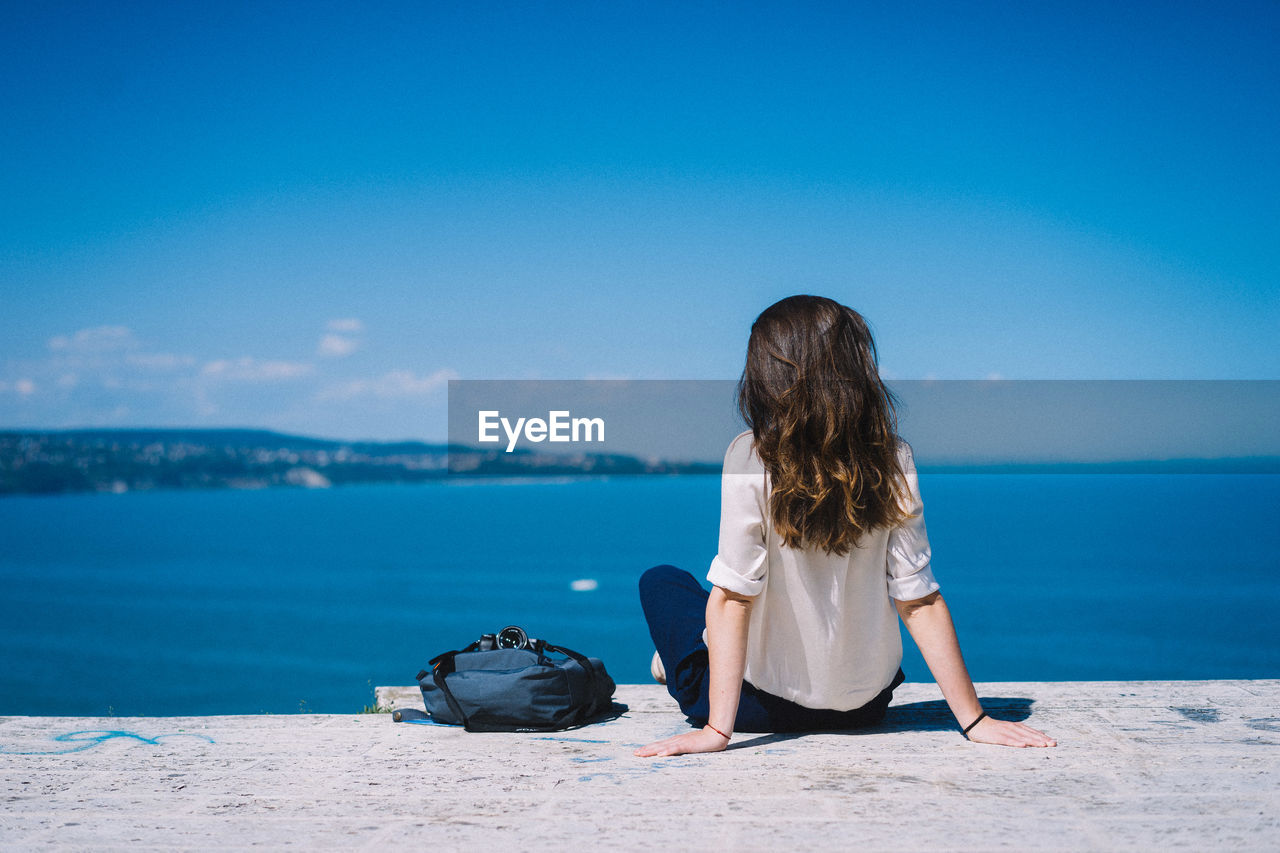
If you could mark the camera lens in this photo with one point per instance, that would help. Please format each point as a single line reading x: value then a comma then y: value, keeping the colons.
x: 512, y: 637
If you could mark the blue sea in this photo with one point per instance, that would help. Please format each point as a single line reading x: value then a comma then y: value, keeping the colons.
x: 286, y: 601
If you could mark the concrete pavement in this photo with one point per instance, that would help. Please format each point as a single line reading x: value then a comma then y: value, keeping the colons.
x: 1139, y: 765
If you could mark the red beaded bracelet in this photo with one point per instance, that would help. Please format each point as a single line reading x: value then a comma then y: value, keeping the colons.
x: 717, y: 731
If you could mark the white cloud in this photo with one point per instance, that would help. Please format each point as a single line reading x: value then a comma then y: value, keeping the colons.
x: 337, y: 345
x: 112, y: 350
x: 25, y: 387
x: 159, y: 360
x: 246, y: 369
x: 396, y: 383
x: 345, y: 324
x: 95, y: 340
x: 994, y: 376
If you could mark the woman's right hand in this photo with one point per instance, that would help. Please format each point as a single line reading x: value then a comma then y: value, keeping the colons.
x: 1006, y: 733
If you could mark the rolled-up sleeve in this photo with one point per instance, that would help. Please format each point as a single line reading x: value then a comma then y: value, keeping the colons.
x: 907, y: 562
x: 742, y: 559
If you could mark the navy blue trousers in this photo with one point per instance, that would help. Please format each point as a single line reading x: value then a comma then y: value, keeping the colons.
x: 675, y: 606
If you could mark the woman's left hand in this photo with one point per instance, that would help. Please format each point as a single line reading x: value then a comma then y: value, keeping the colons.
x: 1008, y: 733
x: 703, y: 740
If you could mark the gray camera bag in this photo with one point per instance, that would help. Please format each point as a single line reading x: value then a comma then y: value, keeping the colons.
x: 513, y: 690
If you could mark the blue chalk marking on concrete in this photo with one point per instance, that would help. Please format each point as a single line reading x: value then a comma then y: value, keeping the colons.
x: 573, y: 739
x: 89, y: 739
x: 590, y: 760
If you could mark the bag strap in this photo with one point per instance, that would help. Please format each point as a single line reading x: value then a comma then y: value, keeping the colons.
x: 443, y: 664
x: 593, y: 685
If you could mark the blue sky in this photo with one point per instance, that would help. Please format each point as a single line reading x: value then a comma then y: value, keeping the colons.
x: 310, y: 216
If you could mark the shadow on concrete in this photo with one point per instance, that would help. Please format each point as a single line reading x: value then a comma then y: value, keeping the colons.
x: 932, y: 716
x: 935, y: 716
x: 615, y: 710
x: 765, y: 740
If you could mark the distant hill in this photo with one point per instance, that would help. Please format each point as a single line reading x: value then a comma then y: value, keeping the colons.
x: 121, y: 460
x: 228, y: 437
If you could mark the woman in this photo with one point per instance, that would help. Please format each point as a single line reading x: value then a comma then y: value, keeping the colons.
x: 821, y: 527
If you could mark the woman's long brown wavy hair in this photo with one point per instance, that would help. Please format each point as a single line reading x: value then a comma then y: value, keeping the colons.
x: 824, y: 423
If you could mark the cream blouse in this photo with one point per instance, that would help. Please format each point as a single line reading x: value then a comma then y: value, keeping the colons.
x: 823, y: 631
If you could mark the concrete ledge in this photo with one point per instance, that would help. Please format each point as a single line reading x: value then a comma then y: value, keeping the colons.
x: 1139, y: 765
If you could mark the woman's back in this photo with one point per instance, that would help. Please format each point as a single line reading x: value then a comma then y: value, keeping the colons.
x: 824, y: 631
x: 822, y: 548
